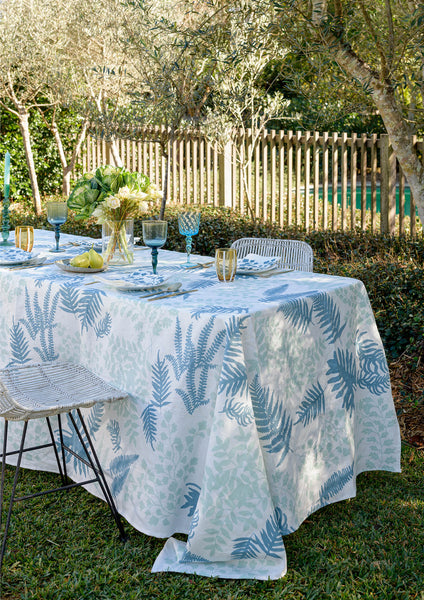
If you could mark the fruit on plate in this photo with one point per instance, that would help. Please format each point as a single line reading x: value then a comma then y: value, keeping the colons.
x: 82, y: 261
x: 95, y: 259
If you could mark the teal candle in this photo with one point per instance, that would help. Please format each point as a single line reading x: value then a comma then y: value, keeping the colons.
x: 7, y: 176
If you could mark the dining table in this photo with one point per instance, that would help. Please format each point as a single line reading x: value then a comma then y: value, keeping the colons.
x: 251, y: 404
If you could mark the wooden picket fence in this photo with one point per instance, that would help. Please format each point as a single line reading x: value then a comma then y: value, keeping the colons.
x: 285, y: 177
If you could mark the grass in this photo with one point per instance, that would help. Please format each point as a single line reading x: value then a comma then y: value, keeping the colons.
x: 370, y: 547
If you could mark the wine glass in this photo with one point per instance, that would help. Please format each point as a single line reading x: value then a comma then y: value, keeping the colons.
x: 154, y: 236
x: 57, y: 213
x: 188, y: 225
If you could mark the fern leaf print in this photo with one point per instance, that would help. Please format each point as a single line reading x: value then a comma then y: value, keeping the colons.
x: 334, y: 484
x: 191, y: 498
x: 119, y: 469
x: 374, y: 372
x: 273, y: 423
x: 19, y: 345
x: 342, y: 372
x: 328, y: 317
x: 115, y: 434
x: 149, y: 418
x: 312, y: 405
x: 298, y: 313
x: 269, y: 541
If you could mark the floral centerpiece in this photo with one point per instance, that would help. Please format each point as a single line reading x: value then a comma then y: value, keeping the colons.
x: 114, y: 197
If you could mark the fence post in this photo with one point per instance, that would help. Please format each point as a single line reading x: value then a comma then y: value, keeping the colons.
x: 225, y: 175
x: 388, y: 186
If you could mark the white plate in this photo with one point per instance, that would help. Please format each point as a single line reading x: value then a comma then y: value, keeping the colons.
x: 65, y: 266
x: 16, y: 256
x: 253, y: 264
x: 138, y: 280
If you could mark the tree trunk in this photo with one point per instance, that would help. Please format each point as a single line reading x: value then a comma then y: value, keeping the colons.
x: 168, y: 157
x: 115, y: 153
x: 67, y: 168
x: 24, y: 127
x: 396, y: 127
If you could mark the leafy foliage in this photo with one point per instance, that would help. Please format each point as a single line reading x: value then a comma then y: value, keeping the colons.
x: 269, y: 542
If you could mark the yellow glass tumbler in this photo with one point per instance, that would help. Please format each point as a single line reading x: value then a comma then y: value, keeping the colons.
x: 226, y: 263
x: 24, y: 237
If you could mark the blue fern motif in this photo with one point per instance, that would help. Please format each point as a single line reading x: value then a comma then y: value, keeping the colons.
x: 39, y: 321
x: 18, y: 345
x: 181, y: 357
x: 161, y: 390
x: 161, y: 382
x: 298, y: 313
x: 193, y: 525
x: 69, y: 299
x: 94, y: 419
x: 89, y: 307
x: 274, y: 293
x: 328, y: 317
x: 335, y: 484
x: 240, y: 412
x: 115, y: 434
x: 343, y: 368
x: 119, y: 469
x: 235, y: 325
x: 211, y: 309
x: 312, y: 406
x: 374, y: 373
x: 191, y: 498
x: 233, y: 378
x: 269, y: 542
x: 189, y: 557
x: 195, y: 362
x: 104, y: 326
x: 274, y: 425
x: 149, y: 418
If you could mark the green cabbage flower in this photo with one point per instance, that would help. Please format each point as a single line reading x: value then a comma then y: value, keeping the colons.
x: 92, y: 189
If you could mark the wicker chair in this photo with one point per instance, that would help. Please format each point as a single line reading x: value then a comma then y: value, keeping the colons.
x: 294, y: 253
x: 40, y: 391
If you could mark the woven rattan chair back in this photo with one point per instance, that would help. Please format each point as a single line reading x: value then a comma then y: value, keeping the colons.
x: 294, y: 254
x: 41, y: 391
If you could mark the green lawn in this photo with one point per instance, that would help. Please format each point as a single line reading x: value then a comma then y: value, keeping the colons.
x: 66, y: 548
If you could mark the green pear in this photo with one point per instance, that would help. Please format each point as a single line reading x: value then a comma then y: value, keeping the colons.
x: 82, y: 260
x: 95, y: 259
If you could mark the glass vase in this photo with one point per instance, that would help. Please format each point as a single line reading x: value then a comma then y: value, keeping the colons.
x: 118, y: 242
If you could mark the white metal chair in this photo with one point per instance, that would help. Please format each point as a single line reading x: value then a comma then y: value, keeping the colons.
x: 42, y: 390
x: 294, y: 254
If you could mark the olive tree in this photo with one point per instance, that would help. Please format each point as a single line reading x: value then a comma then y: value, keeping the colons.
x: 24, y: 54
x: 377, y: 46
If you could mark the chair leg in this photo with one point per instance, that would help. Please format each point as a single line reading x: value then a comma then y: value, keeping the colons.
x: 62, y: 476
x: 3, y: 466
x: 12, y: 497
x: 97, y: 468
x: 59, y: 422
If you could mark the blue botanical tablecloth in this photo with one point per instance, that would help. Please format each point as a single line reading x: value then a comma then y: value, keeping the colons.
x: 252, y: 404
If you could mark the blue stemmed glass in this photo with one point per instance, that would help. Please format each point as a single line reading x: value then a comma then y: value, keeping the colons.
x: 154, y: 236
x: 188, y: 225
x: 57, y: 213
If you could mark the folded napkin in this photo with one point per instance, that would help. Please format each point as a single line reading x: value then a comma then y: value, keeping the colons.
x: 253, y: 263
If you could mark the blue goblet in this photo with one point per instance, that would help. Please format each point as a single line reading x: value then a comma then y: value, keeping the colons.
x: 57, y: 213
x: 154, y: 236
x: 188, y: 225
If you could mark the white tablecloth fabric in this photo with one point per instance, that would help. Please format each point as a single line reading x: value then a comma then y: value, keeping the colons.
x: 252, y: 404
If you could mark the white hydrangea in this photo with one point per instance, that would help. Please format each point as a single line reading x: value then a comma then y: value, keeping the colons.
x: 113, y: 201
